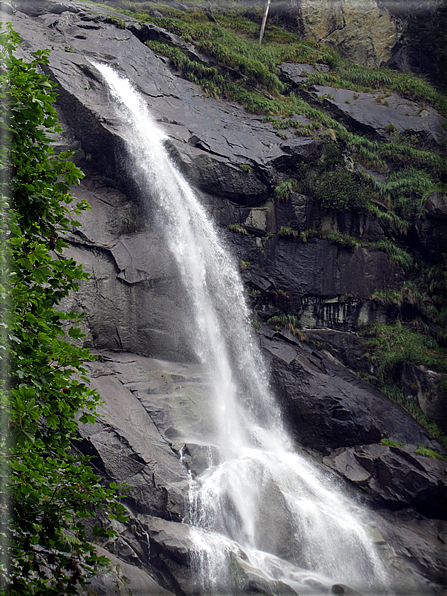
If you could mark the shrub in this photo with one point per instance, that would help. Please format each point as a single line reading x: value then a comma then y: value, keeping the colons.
x: 43, y: 388
x: 341, y: 190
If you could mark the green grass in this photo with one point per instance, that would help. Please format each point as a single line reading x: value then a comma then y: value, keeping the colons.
x: 248, y: 73
x: 393, y: 392
x: 347, y: 75
x: 285, y: 188
x: 387, y: 347
x: 425, y: 452
x: 288, y: 322
x: 237, y: 228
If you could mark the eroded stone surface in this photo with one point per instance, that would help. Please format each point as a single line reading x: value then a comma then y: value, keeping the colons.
x: 154, y: 427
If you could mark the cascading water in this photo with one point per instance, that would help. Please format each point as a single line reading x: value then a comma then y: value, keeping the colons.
x: 261, y: 504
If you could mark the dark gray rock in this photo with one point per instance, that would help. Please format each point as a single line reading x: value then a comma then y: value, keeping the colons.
x: 327, y: 407
x: 329, y: 286
x: 129, y: 448
x: 194, y: 122
x: 428, y: 388
x: 149, y: 32
x: 397, y: 476
x: 344, y: 345
x: 36, y: 9
x: 154, y: 428
x: 436, y: 205
x: 123, y: 578
x: 421, y: 542
x: 379, y: 115
x: 298, y: 73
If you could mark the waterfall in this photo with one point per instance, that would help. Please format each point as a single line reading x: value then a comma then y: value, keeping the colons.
x: 259, y: 505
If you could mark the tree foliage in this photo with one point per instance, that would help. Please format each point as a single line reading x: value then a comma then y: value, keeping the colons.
x: 47, y: 488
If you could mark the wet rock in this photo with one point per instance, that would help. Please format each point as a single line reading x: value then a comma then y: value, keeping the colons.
x: 421, y: 542
x: 327, y: 407
x: 328, y: 286
x: 397, y: 476
x: 344, y: 345
x: 193, y: 122
x: 123, y: 576
x: 155, y: 428
x: 128, y: 447
x: 249, y: 580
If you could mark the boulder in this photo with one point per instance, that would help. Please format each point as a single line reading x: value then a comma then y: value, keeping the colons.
x: 363, y: 32
x: 377, y: 115
x: 421, y: 542
x: 130, y: 448
x: 436, y: 205
x: 397, y: 475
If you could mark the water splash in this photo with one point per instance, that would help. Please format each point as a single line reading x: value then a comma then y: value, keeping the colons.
x: 262, y: 502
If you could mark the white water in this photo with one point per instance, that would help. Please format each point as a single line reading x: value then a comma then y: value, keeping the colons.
x: 262, y: 496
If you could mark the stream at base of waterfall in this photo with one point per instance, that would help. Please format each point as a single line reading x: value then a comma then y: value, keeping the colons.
x: 259, y: 505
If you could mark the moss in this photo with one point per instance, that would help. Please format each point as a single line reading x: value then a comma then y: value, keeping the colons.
x: 425, y: 452
x: 390, y: 443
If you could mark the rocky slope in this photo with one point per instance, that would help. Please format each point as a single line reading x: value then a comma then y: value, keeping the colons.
x: 153, y: 426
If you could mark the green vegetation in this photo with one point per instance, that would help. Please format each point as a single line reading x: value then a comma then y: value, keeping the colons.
x: 394, y: 393
x: 237, y: 228
x: 424, y: 451
x: 341, y: 190
x: 244, y: 265
x: 44, y: 387
x: 388, y: 346
x: 285, y: 188
x: 347, y: 75
x: 286, y: 231
x: 287, y: 322
x: 390, y: 443
x: 421, y: 450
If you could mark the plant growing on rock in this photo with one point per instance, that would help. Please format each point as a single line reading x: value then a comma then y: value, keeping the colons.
x: 389, y: 346
x: 237, y: 228
x: 341, y: 190
x: 43, y: 390
x: 285, y: 189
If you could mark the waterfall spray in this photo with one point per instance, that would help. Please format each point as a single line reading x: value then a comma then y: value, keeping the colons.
x: 260, y: 502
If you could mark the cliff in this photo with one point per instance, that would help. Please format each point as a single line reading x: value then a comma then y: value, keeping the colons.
x: 324, y: 250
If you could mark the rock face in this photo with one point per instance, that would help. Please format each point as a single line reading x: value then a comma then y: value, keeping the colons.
x: 154, y: 430
x: 417, y: 481
x: 364, y: 32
